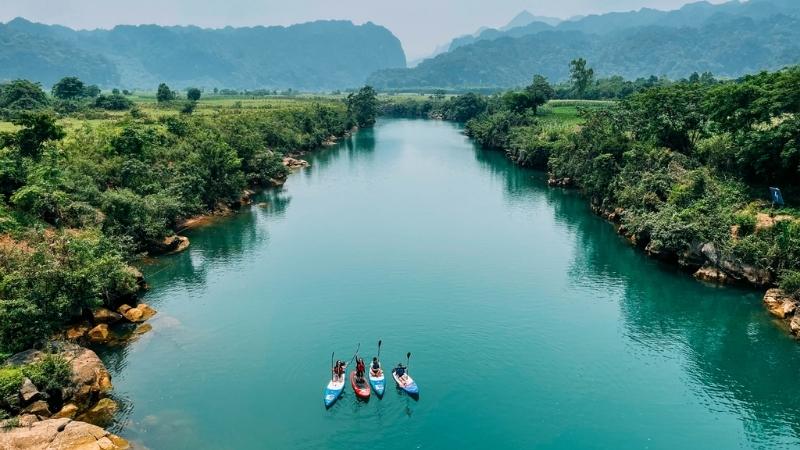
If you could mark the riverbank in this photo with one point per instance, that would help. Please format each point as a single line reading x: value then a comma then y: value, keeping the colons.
x: 84, y: 205
x: 682, y: 178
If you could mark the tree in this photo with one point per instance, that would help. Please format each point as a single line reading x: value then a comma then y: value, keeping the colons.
x: 37, y: 129
x: 193, y: 94
x: 22, y: 95
x: 113, y: 102
x: 539, y: 91
x: 362, y: 107
x: 164, y: 94
x: 92, y: 91
x: 580, y: 75
x: 68, y: 88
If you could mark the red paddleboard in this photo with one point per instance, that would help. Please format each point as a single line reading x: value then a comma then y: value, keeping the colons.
x: 361, y: 388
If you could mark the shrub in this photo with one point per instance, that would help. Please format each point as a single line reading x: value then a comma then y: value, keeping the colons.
x: 746, y: 222
x: 790, y: 282
x: 49, y: 373
x: 11, y: 379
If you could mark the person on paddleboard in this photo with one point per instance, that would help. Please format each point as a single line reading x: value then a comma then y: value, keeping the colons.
x: 376, y: 366
x: 338, y: 370
x: 360, y: 369
x: 400, y: 370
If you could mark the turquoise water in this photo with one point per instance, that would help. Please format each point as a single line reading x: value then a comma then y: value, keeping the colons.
x: 531, y: 323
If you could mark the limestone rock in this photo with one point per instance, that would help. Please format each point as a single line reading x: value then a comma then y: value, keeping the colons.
x: 38, y: 408
x: 779, y: 304
x: 99, y: 333
x: 28, y: 392
x: 76, y: 332
x: 147, y: 311
x: 105, y: 315
x: 735, y: 268
x: 711, y: 274
x: 67, y: 412
x: 101, y: 414
x: 794, y: 325
x: 293, y: 163
x: 61, y: 434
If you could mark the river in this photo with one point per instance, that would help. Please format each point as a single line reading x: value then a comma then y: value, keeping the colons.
x: 530, y: 322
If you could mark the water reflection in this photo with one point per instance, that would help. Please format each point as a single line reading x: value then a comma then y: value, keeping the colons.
x: 729, y: 344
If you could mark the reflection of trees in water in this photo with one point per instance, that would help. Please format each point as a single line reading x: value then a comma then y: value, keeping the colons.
x: 361, y: 144
x: 520, y: 183
x: 735, y: 356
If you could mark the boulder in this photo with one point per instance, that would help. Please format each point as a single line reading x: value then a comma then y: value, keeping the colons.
x: 76, y: 332
x: 794, y: 325
x: 780, y: 304
x: 100, y: 333
x: 132, y: 314
x: 101, y: 414
x: 28, y: 392
x: 90, y: 379
x: 735, y: 268
x: 26, y: 420
x: 147, y: 311
x: 173, y: 244
x: 38, y: 408
x: 69, y: 411
x: 61, y: 434
x: 711, y: 274
x: 293, y: 163
x: 105, y: 315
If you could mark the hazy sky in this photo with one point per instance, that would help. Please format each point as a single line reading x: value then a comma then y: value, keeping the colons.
x: 420, y: 24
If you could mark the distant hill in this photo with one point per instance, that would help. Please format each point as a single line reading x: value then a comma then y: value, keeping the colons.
x: 729, y: 40
x: 319, y: 55
x: 525, y: 18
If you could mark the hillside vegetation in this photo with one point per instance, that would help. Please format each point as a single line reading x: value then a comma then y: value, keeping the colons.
x: 314, y: 56
x: 729, y: 40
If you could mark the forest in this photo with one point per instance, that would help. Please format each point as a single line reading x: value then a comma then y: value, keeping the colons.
x: 81, y: 199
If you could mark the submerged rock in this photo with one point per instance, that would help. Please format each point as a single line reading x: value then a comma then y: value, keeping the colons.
x: 61, y: 434
x: 105, y: 315
x: 101, y: 414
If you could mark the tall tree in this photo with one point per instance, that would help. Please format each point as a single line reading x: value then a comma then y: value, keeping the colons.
x: 539, y: 91
x: 580, y: 75
x: 164, y: 93
x: 68, y: 88
x: 362, y: 107
x: 193, y: 94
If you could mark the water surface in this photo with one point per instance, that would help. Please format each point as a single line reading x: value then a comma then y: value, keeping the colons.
x: 531, y: 323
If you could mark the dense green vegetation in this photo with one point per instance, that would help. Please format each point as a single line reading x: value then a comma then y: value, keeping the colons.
x: 77, y: 206
x: 315, y: 56
x: 729, y: 40
x: 683, y: 164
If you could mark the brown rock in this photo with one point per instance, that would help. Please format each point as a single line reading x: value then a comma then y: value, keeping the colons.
x: 133, y: 315
x: 101, y: 414
x: 104, y: 315
x: 122, y: 309
x: 90, y: 379
x: 76, y: 332
x: 711, y: 274
x: 147, y: 311
x: 26, y: 420
x: 67, y: 412
x: 61, y: 434
x: 142, y: 329
x: 38, y: 408
x: 28, y: 392
x: 99, y: 333
x: 779, y: 304
x: 794, y: 325
x: 293, y: 163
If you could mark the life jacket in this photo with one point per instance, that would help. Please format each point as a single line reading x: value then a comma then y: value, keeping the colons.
x: 360, y: 366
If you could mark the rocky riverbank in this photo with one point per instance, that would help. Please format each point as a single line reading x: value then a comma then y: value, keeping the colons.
x: 66, y: 417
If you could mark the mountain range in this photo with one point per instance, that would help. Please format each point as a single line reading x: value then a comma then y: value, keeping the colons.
x: 728, y: 39
x: 314, y: 56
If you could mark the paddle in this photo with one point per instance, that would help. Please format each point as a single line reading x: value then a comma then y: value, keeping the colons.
x: 408, y: 360
x: 379, y: 349
x: 356, y: 353
x: 332, y: 366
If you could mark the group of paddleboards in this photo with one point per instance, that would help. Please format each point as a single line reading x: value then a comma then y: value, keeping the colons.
x: 365, y: 380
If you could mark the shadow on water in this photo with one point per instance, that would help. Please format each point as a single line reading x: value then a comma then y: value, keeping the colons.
x: 728, y: 341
